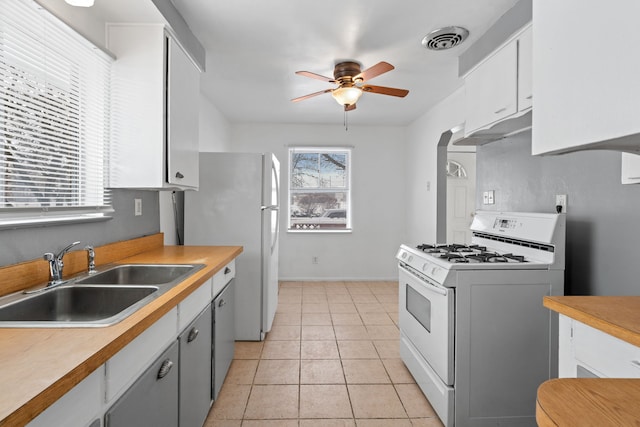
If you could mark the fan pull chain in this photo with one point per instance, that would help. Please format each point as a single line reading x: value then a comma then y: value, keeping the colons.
x: 346, y: 121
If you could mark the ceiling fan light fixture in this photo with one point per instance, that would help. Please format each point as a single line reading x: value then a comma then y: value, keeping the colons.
x: 80, y: 3
x: 347, y: 95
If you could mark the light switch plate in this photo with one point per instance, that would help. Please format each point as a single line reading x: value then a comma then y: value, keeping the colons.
x: 138, y: 207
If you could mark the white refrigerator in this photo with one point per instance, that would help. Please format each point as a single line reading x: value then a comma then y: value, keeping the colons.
x: 237, y: 205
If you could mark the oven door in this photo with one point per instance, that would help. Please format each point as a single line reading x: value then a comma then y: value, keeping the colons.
x: 426, y: 318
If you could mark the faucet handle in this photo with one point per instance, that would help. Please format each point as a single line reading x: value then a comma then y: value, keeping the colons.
x: 91, y: 255
x: 48, y: 256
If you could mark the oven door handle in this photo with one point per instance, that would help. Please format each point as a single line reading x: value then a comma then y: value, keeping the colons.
x: 428, y: 285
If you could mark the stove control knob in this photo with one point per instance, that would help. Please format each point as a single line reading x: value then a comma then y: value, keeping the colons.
x: 404, y: 255
x: 434, y: 270
x: 425, y: 266
x: 410, y: 258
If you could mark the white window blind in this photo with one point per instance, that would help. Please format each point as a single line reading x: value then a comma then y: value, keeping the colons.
x: 54, y: 119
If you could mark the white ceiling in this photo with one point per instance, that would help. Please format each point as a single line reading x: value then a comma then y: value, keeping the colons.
x: 255, y: 47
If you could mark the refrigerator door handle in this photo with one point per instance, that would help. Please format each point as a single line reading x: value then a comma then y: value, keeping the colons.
x: 270, y: 207
x: 275, y: 240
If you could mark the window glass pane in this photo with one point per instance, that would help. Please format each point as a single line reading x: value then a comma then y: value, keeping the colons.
x: 304, y: 170
x: 333, y: 170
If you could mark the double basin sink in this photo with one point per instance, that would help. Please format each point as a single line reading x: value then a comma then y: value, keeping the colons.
x: 101, y: 299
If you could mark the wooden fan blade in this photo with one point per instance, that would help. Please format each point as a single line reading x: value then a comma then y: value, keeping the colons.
x: 311, y: 95
x: 386, y: 90
x: 376, y: 70
x: 349, y: 107
x: 315, y: 76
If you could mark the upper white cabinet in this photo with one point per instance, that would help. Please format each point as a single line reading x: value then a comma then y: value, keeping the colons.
x: 500, y: 86
x: 586, y: 75
x: 155, y: 107
x: 630, y: 168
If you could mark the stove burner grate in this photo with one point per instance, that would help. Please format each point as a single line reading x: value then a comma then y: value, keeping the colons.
x: 457, y: 253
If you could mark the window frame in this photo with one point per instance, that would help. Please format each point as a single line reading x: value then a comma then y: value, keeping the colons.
x: 320, y: 149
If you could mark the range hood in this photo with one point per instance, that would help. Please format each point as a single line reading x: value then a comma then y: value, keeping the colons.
x: 498, y: 131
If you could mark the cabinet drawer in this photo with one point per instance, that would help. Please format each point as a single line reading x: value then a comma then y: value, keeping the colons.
x: 604, y: 354
x: 126, y: 365
x: 222, y: 277
x: 192, y: 305
x: 76, y: 408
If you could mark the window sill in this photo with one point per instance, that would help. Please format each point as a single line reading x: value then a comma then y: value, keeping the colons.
x: 320, y: 231
x: 45, y: 221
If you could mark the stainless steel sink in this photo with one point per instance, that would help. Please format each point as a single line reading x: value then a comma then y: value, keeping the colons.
x: 139, y: 274
x: 68, y: 305
x: 101, y: 299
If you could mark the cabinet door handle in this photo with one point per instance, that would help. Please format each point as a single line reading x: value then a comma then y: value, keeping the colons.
x: 227, y: 270
x: 193, y: 334
x: 165, y: 368
x: 222, y: 303
x: 529, y: 97
x: 635, y: 363
x: 179, y: 175
x: 500, y: 110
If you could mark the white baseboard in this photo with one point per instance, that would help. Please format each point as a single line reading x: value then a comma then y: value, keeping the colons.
x: 338, y: 279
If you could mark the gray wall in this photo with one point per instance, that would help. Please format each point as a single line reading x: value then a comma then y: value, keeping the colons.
x: 30, y: 243
x: 603, y: 216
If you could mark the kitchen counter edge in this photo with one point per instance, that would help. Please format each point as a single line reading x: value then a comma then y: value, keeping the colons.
x: 618, y: 316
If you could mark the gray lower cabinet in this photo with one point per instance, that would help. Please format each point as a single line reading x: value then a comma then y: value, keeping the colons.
x: 195, y: 371
x: 151, y: 400
x: 223, y: 335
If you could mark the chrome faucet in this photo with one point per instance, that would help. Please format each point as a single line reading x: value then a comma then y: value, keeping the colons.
x: 56, y: 265
x: 91, y: 259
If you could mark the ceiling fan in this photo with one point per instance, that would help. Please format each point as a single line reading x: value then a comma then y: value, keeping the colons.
x: 350, y: 79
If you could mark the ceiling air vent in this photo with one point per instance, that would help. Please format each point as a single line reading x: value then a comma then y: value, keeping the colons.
x: 445, y: 38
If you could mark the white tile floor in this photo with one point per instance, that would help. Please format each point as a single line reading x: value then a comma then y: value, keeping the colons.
x: 331, y: 359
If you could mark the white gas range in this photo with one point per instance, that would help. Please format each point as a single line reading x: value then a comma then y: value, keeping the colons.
x: 474, y: 332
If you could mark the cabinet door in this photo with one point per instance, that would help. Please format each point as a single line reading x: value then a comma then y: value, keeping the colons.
x: 586, y: 84
x: 525, y: 62
x: 152, y: 401
x: 223, y: 336
x: 630, y: 168
x: 183, y: 96
x: 491, y: 89
x: 195, y: 371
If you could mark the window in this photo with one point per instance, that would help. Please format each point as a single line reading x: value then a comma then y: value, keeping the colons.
x: 54, y: 120
x: 319, y: 189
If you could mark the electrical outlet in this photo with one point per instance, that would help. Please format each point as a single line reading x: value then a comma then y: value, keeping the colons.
x: 561, y: 203
x: 314, y: 260
x: 137, y: 210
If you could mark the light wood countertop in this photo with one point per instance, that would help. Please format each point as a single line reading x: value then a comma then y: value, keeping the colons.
x: 38, y: 366
x: 594, y: 401
x: 585, y: 402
